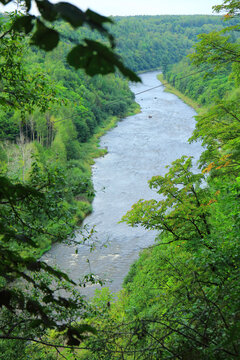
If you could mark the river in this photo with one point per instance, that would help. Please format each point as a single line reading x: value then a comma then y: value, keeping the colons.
x: 138, y: 148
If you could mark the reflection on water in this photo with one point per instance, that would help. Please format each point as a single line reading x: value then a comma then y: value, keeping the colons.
x: 138, y: 148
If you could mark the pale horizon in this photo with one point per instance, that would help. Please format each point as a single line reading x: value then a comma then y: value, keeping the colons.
x: 141, y: 7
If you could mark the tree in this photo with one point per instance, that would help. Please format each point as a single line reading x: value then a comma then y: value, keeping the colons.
x: 23, y: 210
x: 20, y: 89
x: 218, y: 126
x: 195, y: 312
x: 30, y: 290
x: 182, y: 292
x: 93, y: 56
x: 231, y: 6
x: 180, y: 297
x: 183, y: 212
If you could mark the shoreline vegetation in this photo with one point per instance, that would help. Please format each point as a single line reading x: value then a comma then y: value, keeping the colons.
x: 60, y: 143
x: 179, y: 299
x: 169, y: 88
x: 91, y: 150
x: 149, y: 70
x: 92, y: 146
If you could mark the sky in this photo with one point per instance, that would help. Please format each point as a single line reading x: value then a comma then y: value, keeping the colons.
x: 149, y: 7
x: 146, y: 7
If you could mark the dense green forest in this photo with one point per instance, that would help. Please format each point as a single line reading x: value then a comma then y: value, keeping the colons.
x: 58, y: 131
x: 180, y: 300
x: 152, y: 42
x: 69, y: 108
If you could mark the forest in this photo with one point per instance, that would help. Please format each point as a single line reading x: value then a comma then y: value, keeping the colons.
x: 62, y: 85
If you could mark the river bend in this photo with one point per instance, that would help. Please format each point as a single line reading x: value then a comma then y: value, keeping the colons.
x: 138, y: 148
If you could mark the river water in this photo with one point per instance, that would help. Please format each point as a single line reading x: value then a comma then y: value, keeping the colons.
x: 138, y: 148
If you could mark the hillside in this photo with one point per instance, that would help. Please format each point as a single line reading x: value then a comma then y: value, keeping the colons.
x: 180, y: 299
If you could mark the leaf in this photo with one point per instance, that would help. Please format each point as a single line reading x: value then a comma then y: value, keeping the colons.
x: 72, y: 341
x: 45, y: 38
x: 89, y: 58
x: 70, y: 13
x: 34, y: 266
x: 75, y: 334
x: 97, y: 18
x: 59, y: 274
x: 24, y: 23
x: 95, y: 21
x: 28, y: 5
x: 47, y: 10
x: 97, y: 58
x: 5, y: 2
x: 34, y: 307
x: 36, y: 323
x: 82, y: 328
x: 22, y: 238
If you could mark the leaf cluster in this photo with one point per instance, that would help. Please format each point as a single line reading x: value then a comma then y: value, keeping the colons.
x: 93, y: 57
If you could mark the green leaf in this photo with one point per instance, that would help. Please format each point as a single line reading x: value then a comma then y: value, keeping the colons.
x: 82, y: 328
x: 28, y: 4
x: 70, y: 13
x: 47, y: 10
x: 95, y: 21
x: 97, y: 58
x: 45, y: 38
x: 97, y: 18
x: 91, y: 59
x: 24, y: 23
x: 5, y: 2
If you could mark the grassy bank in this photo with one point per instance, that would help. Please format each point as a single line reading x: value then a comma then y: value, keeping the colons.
x: 173, y: 90
x: 76, y: 189
x: 91, y: 149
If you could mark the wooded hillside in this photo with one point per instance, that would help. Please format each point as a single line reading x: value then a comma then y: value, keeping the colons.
x: 180, y: 300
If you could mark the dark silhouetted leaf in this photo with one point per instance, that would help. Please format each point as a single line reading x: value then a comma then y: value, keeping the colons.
x: 47, y: 10
x: 28, y: 4
x: 91, y: 59
x: 72, y: 341
x: 45, y: 38
x: 95, y: 21
x: 59, y: 274
x: 5, y: 2
x: 97, y: 58
x: 97, y: 18
x: 83, y: 328
x: 24, y: 23
x: 70, y: 13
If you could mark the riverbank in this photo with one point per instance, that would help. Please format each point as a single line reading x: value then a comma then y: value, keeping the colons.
x: 91, y: 149
x: 138, y: 148
x: 67, y: 159
x: 149, y: 70
x: 169, y: 88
